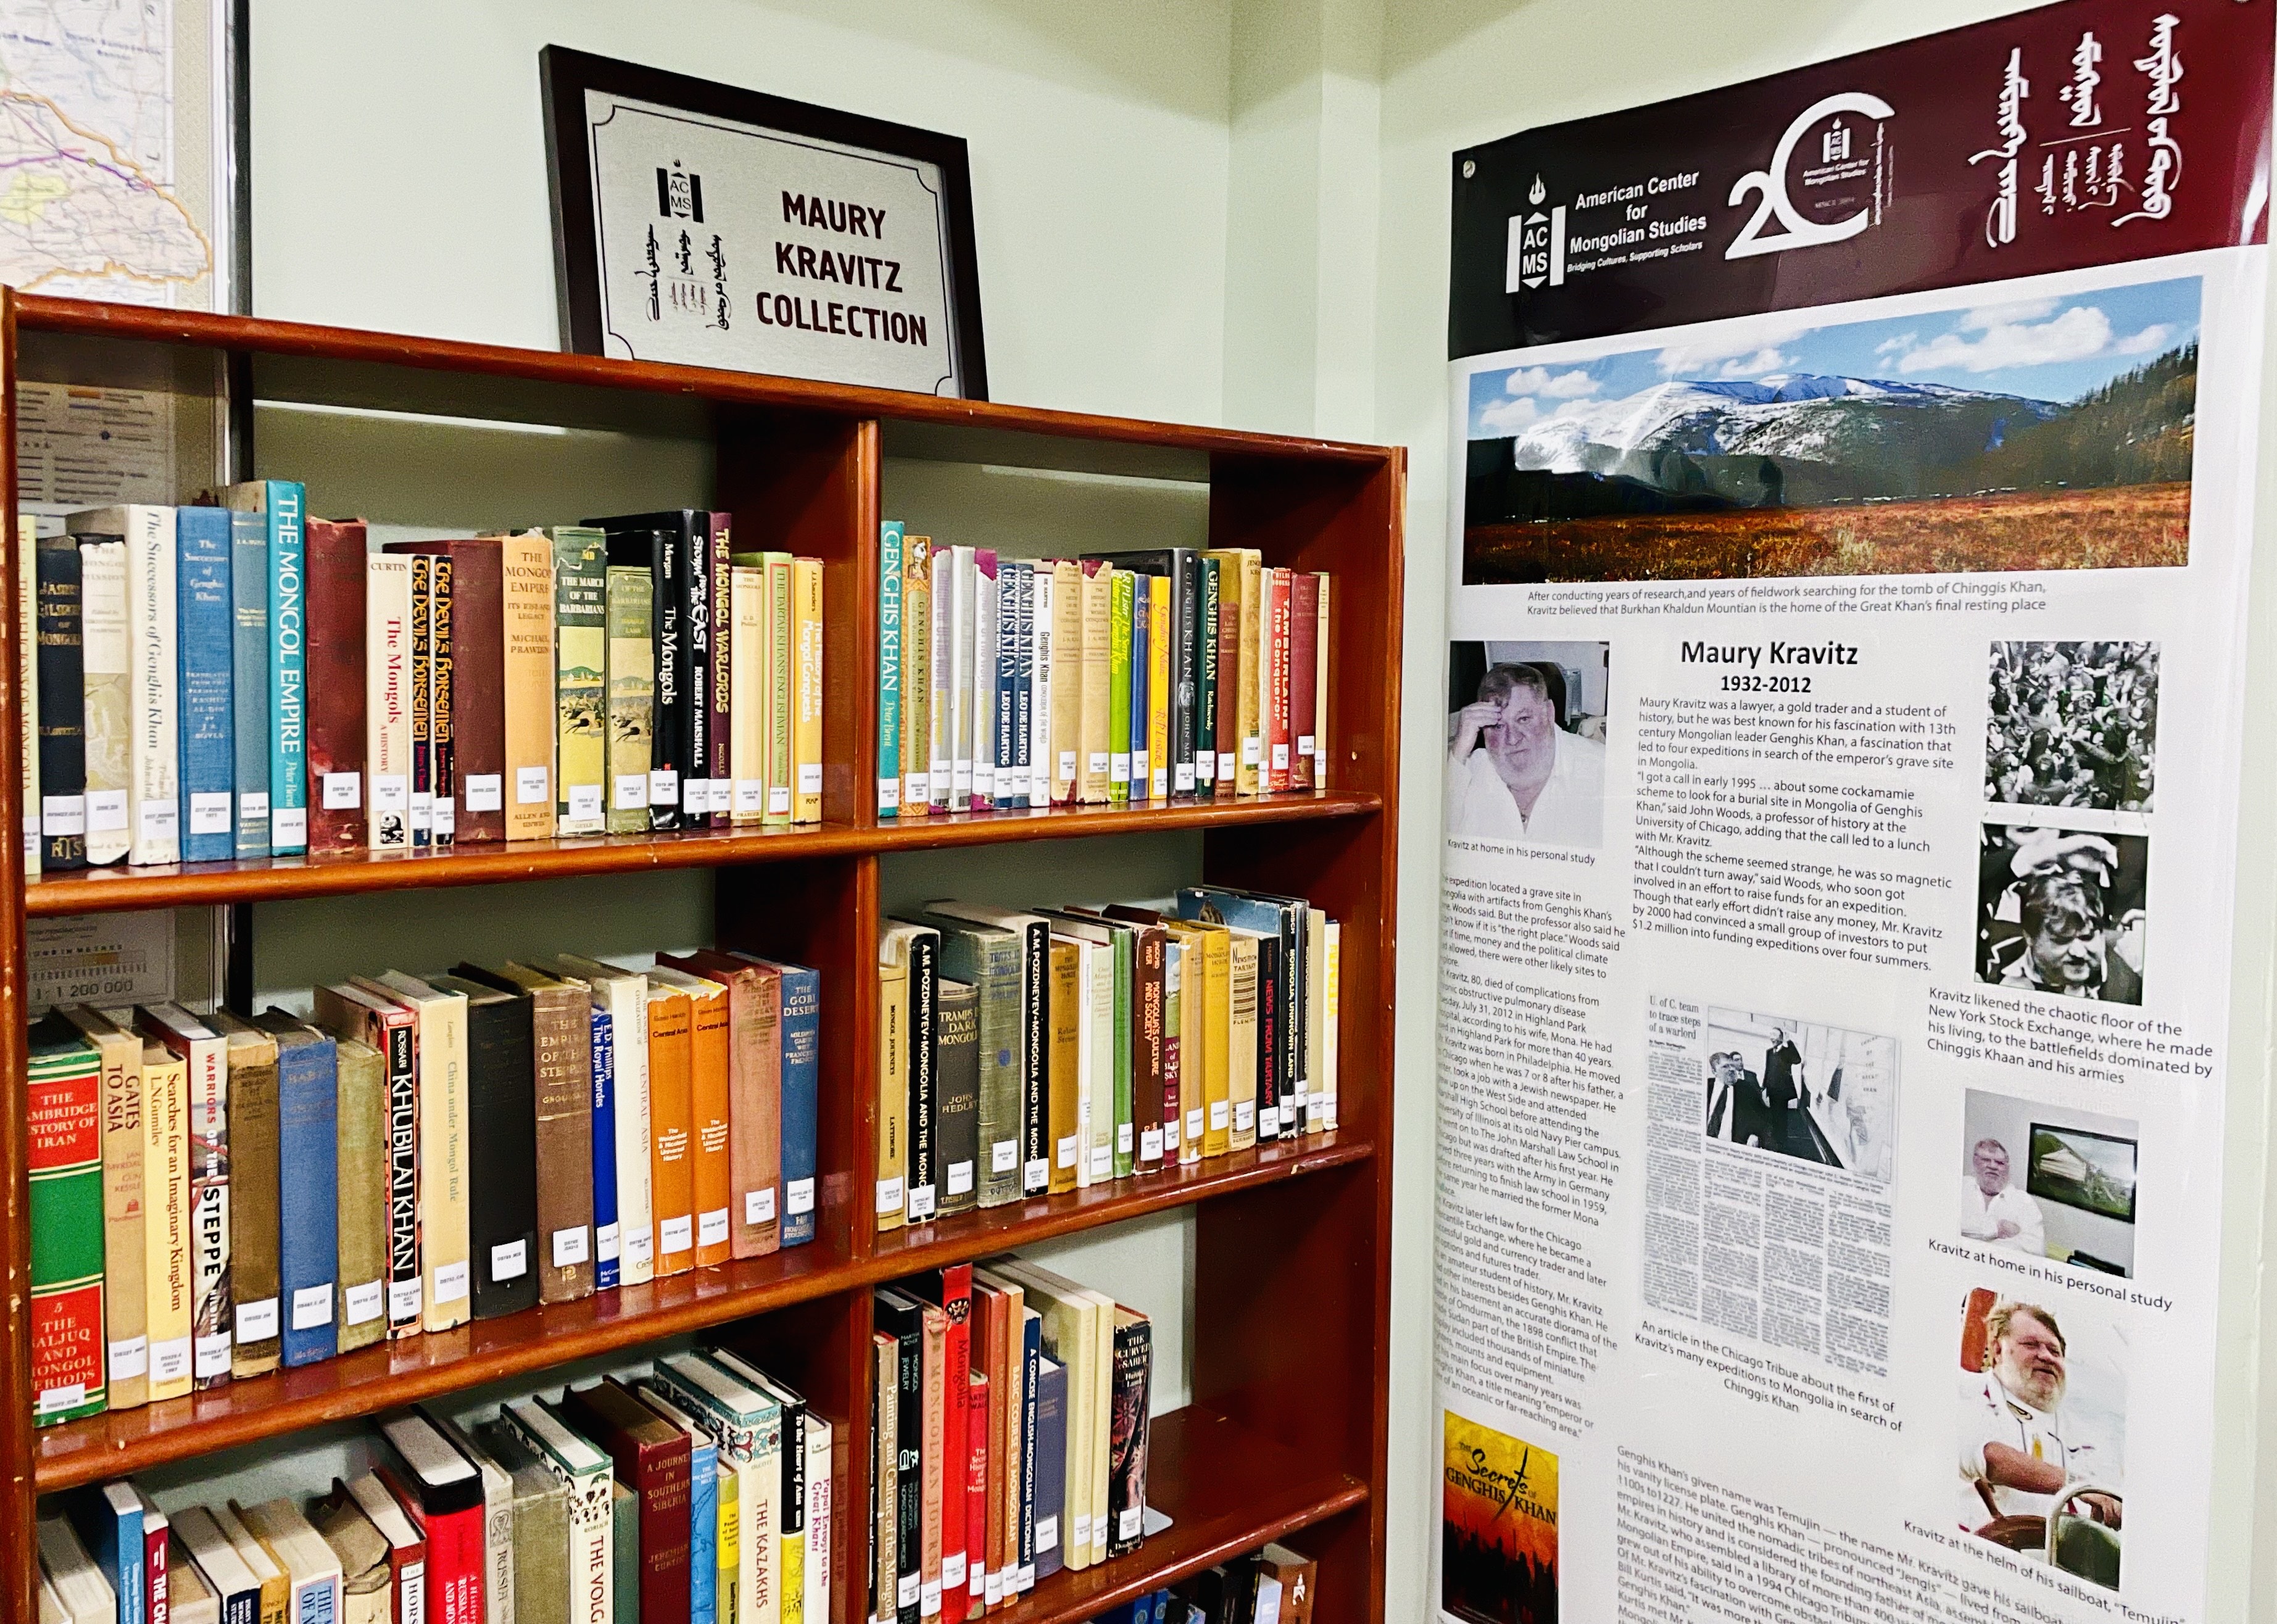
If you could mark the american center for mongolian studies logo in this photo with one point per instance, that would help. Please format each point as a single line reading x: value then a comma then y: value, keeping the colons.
x: 1837, y: 190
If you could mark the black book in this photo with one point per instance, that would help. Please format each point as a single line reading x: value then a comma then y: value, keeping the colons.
x: 903, y: 1318
x: 1205, y: 659
x: 62, y: 706
x: 1031, y: 1358
x: 956, y: 1091
x: 430, y: 1469
x: 1130, y: 1379
x: 791, y: 1502
x: 1272, y: 1083
x: 676, y: 545
x: 502, y: 1144
x: 1182, y: 566
x: 925, y: 1075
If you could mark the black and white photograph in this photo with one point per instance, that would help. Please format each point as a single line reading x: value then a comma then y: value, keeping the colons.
x: 1526, y: 742
x: 2048, y: 1181
x: 2072, y: 725
x: 2063, y: 910
x: 1803, y: 1090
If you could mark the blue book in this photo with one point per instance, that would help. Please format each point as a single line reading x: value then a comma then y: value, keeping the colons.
x: 283, y: 502
x: 249, y: 622
x: 1142, y: 766
x: 703, y: 1528
x: 605, y: 1241
x: 890, y: 667
x: 109, y: 1523
x: 1032, y: 1357
x: 307, y: 1210
x: 1051, y: 1467
x: 206, y: 648
x: 801, y: 1064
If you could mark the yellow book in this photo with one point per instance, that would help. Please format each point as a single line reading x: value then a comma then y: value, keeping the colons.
x: 747, y: 691
x: 1098, y: 661
x: 893, y: 1082
x: 1241, y: 1040
x: 1253, y: 674
x: 166, y: 1220
x: 1068, y: 599
x: 1201, y: 1040
x: 781, y: 657
x: 1331, y: 1007
x: 445, y: 1241
x: 1065, y: 1031
x: 1158, y: 686
x: 1321, y: 690
x: 125, y: 1301
x: 916, y: 675
x: 531, y: 720
x: 728, y: 1547
x: 806, y: 731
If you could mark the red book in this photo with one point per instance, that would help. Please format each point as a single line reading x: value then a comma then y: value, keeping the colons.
x: 976, y: 1497
x: 443, y: 1497
x: 986, y: 1555
x: 1272, y: 772
x: 1150, y: 1040
x: 950, y: 1290
x: 1304, y: 642
x: 156, y: 1591
x: 1228, y: 676
x: 652, y: 1460
x: 336, y: 789
x: 477, y: 683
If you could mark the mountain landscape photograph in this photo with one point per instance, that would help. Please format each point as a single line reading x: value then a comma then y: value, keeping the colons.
x: 2050, y: 433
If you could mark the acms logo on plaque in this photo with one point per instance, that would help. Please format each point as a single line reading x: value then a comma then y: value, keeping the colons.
x: 1843, y: 139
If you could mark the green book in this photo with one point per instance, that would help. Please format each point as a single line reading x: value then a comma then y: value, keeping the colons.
x: 993, y: 961
x: 581, y: 684
x: 630, y: 607
x: 1118, y: 692
x: 624, y: 1520
x: 64, y: 1101
x: 583, y: 1472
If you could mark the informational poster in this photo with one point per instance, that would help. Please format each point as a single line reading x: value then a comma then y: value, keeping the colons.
x: 1846, y: 679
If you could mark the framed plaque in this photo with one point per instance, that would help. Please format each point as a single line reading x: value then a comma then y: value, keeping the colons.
x: 707, y: 226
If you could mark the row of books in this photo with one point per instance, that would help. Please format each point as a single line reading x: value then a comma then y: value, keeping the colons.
x: 211, y: 682
x: 1274, y: 1585
x: 1156, y: 675
x: 1011, y: 1436
x: 213, y: 1196
x: 1029, y: 1053
x: 700, y: 1493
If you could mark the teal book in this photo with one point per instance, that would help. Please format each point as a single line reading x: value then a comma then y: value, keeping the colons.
x: 1119, y: 740
x: 283, y: 504
x: 248, y: 631
x: 993, y: 961
x: 204, y: 649
x: 624, y: 1537
x: 889, y: 668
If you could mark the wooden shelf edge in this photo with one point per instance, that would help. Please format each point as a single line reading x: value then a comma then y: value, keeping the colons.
x: 1227, y: 1491
x: 85, y: 317
x: 364, y: 1383
x: 262, y: 879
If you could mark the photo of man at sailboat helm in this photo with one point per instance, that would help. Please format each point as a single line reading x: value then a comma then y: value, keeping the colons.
x: 1802, y: 1090
x: 2041, y: 432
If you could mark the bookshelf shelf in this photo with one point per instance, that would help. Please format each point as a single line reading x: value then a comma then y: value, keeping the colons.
x: 1290, y: 1350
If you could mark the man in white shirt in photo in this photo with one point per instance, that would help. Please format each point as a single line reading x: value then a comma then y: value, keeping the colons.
x: 1993, y: 1211
x: 1514, y: 774
x: 2016, y: 1451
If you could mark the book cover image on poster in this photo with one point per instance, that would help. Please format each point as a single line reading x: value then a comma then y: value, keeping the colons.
x: 2040, y: 426
x: 1498, y: 1528
x: 2042, y: 1425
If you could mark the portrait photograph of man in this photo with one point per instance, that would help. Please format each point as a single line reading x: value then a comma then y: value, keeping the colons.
x: 2062, y: 911
x: 2048, y: 1181
x: 1526, y: 747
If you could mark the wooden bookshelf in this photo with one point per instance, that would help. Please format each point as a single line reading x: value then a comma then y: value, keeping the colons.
x: 1286, y: 1431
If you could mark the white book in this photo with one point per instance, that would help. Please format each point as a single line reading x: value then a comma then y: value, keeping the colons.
x: 1331, y: 977
x: 747, y: 679
x: 308, y: 1563
x: 205, y: 1057
x: 584, y: 1471
x: 1080, y: 1324
x: 373, y: 1500
x: 445, y: 1234
x: 624, y: 994
x: 764, y: 1525
x: 964, y: 577
x: 216, y: 1554
x: 154, y: 765
x: 387, y: 698
x: 942, y: 652
x: 1039, y: 692
x: 818, y: 1519
x: 264, y: 1567
x: 987, y: 626
x: 84, y: 1595
x: 795, y: 1549
x: 52, y: 1610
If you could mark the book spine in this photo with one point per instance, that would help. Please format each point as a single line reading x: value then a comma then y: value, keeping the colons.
x: 124, y: 1216
x: 387, y: 699
x: 820, y: 1519
x: 502, y: 1159
x: 893, y: 1093
x: 27, y: 687
x: 941, y: 774
x: 206, y: 1082
x: 256, y: 1222
x: 747, y: 678
x: 755, y: 1119
x: 63, y: 1120
x: 603, y: 1064
x: 445, y: 1157
x: 933, y: 1458
x: 1185, y: 667
x: 890, y: 667
x: 961, y: 627
x: 630, y: 607
x: 248, y: 621
x: 667, y: 761
x: 672, y: 1112
x: 166, y: 1264
x: 334, y: 610
x: 1304, y: 647
x: 1160, y: 767
x: 209, y: 751
x: 1052, y: 1420
x: 58, y: 633
x: 580, y: 695
x: 1150, y: 1016
x: 1119, y: 633
x: 1063, y: 1032
x: 1031, y: 1395
x: 405, y: 1288
x: 721, y: 576
x: 531, y: 721
x: 421, y: 721
x: 153, y: 612
x: 359, y: 1213
x: 307, y: 1208
x: 1040, y: 707
x: 1035, y: 1058
x: 1331, y: 1004
x: 1255, y: 621
x: 1182, y: 1101
x: 1275, y: 700
x: 988, y: 633
x: 782, y: 658
x: 976, y: 1497
x: 922, y: 1034
x: 1009, y: 632
x: 288, y: 675
x: 107, y: 684
x: 1098, y: 669
x: 561, y: 1053
x: 801, y: 1027
x: 1229, y: 674
x: 1320, y: 685
x: 1208, y: 610
x: 909, y: 1481
x: 1125, y: 1038
x: 635, y: 1207
x: 999, y: 981
x: 461, y: 753
x: 1142, y: 671
x: 916, y: 673
x: 709, y: 1043
x: 695, y: 710
x: 1068, y: 660
x: 957, y: 1093
x: 1126, y: 1503
x: 806, y: 738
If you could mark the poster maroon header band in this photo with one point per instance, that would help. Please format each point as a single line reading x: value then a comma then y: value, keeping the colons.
x: 2077, y: 134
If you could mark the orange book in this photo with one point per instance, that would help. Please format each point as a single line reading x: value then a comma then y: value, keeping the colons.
x: 672, y: 1127
x: 709, y: 1072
